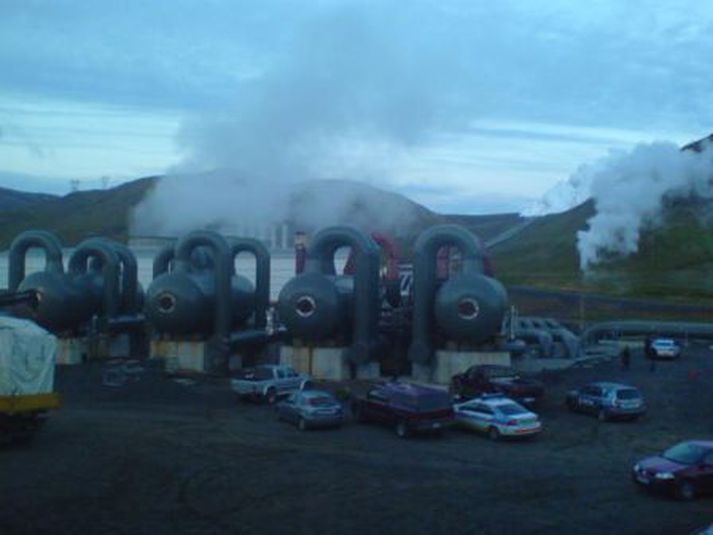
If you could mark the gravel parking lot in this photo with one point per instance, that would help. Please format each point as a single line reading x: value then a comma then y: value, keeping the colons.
x: 163, y: 457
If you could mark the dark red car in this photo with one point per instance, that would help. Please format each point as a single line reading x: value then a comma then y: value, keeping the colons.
x: 407, y: 407
x: 491, y: 378
x: 685, y: 470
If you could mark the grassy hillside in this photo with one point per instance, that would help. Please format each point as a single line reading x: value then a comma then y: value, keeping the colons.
x: 78, y: 215
x: 673, y: 261
x: 11, y: 199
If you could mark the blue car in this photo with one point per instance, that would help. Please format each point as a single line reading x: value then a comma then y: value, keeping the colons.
x: 607, y: 401
x: 311, y: 408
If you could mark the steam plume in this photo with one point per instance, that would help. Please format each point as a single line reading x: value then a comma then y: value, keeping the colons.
x: 347, y: 101
x: 629, y: 190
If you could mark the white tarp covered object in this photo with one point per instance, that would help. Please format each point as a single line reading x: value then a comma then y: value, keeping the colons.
x: 27, y: 357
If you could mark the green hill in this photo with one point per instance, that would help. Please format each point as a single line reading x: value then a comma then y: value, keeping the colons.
x: 673, y: 261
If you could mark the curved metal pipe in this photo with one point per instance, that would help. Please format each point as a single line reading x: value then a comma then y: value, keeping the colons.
x: 98, y: 247
x: 320, y: 259
x: 424, y: 279
x: 262, y: 274
x: 42, y: 239
x: 541, y: 337
x: 163, y: 259
x: 129, y: 276
x: 223, y: 271
x: 642, y: 327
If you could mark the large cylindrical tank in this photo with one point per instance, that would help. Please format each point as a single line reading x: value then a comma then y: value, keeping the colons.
x: 314, y: 306
x: 182, y: 303
x: 469, y: 307
x: 62, y: 303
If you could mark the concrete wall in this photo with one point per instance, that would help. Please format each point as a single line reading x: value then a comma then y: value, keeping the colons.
x: 327, y: 363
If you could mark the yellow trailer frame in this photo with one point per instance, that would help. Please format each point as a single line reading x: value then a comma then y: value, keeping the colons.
x: 21, y: 403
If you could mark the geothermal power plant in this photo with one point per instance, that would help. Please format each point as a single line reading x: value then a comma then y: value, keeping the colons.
x: 374, y: 317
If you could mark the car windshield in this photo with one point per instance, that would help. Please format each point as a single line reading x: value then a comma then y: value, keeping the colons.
x: 497, y: 373
x: 684, y: 453
x: 427, y: 402
x: 628, y: 393
x: 260, y: 373
x: 512, y: 409
x: 318, y: 401
x: 663, y: 342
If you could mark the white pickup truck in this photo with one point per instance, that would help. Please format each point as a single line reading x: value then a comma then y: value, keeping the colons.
x: 268, y: 382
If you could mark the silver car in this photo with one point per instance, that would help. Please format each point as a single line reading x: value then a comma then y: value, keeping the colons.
x: 311, y: 408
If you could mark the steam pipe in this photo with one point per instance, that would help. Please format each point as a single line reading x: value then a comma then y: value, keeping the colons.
x: 129, y: 277
x: 97, y: 247
x: 262, y: 274
x: 424, y: 279
x: 42, y: 239
x: 641, y: 327
x: 163, y: 260
x: 320, y: 259
x: 223, y: 271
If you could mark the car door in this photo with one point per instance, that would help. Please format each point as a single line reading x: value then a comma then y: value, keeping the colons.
x: 705, y: 474
x: 288, y: 408
x: 483, y: 417
x: 292, y: 379
x: 589, y: 398
x: 376, y: 406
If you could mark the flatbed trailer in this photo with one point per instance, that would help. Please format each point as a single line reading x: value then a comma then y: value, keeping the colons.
x: 21, y: 416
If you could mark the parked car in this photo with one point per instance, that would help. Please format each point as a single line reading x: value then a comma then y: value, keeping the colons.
x: 409, y: 408
x: 664, y: 348
x: 498, y: 416
x: 268, y: 382
x: 684, y: 470
x: 607, y: 401
x: 311, y: 408
x: 490, y: 378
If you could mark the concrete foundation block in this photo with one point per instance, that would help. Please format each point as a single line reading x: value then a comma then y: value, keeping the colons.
x: 71, y: 351
x: 449, y: 363
x: 181, y: 355
x: 110, y: 347
x: 328, y: 363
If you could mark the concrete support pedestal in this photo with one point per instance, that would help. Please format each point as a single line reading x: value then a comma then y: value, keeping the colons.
x: 104, y: 347
x: 329, y: 363
x: 181, y: 355
x: 71, y: 351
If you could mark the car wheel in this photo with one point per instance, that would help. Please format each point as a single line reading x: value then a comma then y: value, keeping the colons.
x: 271, y: 396
x: 493, y: 433
x: 302, y: 424
x: 401, y: 429
x: 571, y: 404
x: 602, y: 415
x: 685, y: 490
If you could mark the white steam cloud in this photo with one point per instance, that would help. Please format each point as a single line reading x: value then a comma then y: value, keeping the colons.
x: 629, y: 190
x: 346, y: 100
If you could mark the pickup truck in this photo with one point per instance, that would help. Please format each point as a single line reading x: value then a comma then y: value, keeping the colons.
x: 268, y: 382
x: 489, y: 378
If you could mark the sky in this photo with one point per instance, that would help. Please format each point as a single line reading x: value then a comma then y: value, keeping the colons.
x: 464, y: 106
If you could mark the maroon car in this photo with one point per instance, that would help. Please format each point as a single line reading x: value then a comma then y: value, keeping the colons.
x: 491, y: 378
x: 685, y: 470
x: 407, y: 407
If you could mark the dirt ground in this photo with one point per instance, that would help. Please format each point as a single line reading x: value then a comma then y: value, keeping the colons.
x: 162, y: 457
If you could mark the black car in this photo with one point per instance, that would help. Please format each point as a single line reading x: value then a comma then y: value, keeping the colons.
x: 491, y: 378
x: 407, y: 407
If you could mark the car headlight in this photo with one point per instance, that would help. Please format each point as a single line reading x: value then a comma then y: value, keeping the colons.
x: 637, y: 467
x: 664, y: 475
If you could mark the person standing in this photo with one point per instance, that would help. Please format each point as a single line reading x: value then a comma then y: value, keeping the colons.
x: 625, y: 358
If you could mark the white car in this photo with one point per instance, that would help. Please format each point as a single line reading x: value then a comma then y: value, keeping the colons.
x: 498, y: 416
x: 665, y: 348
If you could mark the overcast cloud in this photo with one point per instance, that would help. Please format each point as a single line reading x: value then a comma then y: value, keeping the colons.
x: 468, y: 106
